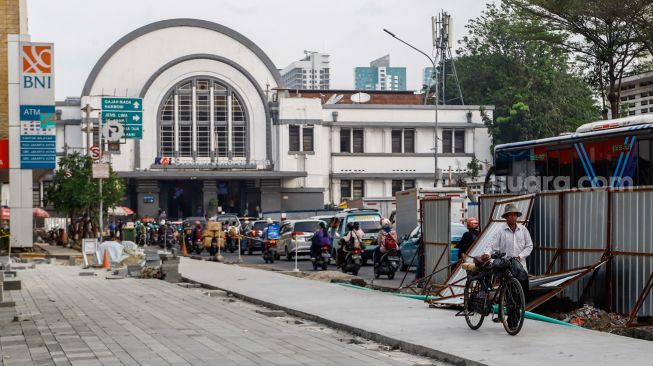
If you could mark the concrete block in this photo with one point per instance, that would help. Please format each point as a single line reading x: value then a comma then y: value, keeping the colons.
x: 87, y: 273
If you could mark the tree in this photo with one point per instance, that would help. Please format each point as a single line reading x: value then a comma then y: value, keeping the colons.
x: 73, y: 191
x: 474, y: 168
x: 535, y: 92
x: 600, y: 33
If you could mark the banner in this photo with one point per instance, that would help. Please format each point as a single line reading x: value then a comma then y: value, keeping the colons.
x: 38, y: 133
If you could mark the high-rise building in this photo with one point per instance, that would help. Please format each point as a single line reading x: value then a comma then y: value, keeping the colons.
x: 380, y: 76
x: 637, y: 94
x: 427, y: 76
x: 311, y: 72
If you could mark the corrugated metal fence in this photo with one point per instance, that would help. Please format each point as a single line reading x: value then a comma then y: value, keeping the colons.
x: 578, y: 228
x: 436, y: 237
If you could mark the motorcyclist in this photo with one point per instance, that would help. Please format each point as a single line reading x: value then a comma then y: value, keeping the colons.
x: 353, y: 239
x: 198, y: 233
x: 381, y: 239
x: 320, y: 239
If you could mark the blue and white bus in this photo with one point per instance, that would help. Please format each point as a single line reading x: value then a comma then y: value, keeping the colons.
x: 614, y: 153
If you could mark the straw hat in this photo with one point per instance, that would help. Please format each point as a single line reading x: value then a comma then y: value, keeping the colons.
x: 511, y: 208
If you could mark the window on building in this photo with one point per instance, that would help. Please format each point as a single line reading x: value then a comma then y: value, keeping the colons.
x: 345, y: 189
x: 300, y: 138
x: 345, y: 140
x: 293, y: 137
x: 403, y: 140
x: 447, y: 141
x: 358, y: 189
x: 186, y: 119
x: 459, y: 141
x: 453, y: 141
x: 358, y: 141
x: 409, y: 140
x: 307, y: 138
x: 396, y: 141
x: 402, y: 185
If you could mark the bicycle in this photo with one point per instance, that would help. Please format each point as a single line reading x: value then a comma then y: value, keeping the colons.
x: 481, y: 294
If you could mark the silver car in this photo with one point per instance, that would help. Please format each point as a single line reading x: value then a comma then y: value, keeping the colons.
x: 297, y: 234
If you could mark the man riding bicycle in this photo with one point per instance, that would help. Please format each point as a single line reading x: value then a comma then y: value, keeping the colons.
x: 512, y: 238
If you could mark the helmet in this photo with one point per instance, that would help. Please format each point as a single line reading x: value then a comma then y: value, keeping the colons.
x: 269, y: 220
x: 472, y: 220
x: 163, y: 222
x: 350, y: 226
x: 386, y: 223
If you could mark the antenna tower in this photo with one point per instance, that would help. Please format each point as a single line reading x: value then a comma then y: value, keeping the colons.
x: 442, y: 43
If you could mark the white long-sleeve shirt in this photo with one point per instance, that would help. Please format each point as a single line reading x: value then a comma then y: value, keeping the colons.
x: 514, y: 244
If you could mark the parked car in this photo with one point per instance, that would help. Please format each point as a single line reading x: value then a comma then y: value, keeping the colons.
x: 252, y: 241
x: 370, y: 223
x: 297, y: 234
x: 408, y: 247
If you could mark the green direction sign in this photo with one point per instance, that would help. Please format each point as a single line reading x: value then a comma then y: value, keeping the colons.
x: 129, y: 118
x: 122, y: 104
x: 126, y: 110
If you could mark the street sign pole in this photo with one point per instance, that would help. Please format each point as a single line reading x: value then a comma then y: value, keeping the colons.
x: 101, y: 208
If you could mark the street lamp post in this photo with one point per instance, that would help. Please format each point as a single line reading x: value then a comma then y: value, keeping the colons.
x: 434, y: 76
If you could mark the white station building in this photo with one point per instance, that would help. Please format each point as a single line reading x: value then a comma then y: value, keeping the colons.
x: 219, y: 124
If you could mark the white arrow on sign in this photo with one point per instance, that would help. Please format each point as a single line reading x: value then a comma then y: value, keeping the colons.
x: 113, y: 131
x: 136, y: 118
x: 136, y: 104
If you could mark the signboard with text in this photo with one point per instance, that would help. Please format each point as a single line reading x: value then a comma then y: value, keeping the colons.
x: 127, y: 111
x: 37, y: 112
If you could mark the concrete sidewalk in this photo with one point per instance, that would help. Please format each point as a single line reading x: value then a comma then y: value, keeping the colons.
x: 416, y: 328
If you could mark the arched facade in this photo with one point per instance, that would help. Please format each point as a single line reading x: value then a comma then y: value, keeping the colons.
x: 207, y: 127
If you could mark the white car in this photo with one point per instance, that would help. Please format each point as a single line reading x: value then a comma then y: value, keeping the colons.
x: 297, y: 233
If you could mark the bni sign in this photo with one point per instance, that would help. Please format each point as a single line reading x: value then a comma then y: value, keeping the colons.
x: 37, y: 113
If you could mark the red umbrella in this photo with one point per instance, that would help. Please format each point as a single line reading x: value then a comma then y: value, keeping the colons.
x: 39, y: 212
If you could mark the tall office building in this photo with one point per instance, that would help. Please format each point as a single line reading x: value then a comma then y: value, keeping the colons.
x: 380, y: 76
x: 427, y: 76
x: 311, y: 72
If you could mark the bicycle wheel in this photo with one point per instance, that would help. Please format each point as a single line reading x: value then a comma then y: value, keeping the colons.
x: 473, y: 317
x: 512, y: 306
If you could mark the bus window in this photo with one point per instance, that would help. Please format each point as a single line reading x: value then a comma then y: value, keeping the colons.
x: 565, y: 168
x: 645, y: 163
x: 552, y: 167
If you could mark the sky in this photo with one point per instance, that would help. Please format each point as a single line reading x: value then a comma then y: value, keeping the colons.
x: 351, y: 31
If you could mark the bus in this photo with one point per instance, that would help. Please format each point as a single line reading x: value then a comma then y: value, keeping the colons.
x: 608, y: 153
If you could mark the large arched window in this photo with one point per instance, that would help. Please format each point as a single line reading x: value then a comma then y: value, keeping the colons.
x: 202, y: 118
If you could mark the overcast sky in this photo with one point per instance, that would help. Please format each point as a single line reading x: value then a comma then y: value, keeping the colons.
x: 351, y: 31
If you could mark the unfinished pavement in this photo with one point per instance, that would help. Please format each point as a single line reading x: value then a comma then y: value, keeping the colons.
x: 64, y: 318
x: 411, y: 325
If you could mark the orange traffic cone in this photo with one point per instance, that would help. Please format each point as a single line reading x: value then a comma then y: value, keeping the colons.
x: 184, y: 251
x: 105, y: 261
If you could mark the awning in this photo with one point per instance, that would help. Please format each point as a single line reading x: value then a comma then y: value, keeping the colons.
x: 121, y: 211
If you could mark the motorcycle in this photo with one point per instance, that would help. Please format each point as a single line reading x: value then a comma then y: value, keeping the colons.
x: 166, y: 237
x: 270, y: 251
x: 154, y: 234
x: 322, y: 259
x: 387, y: 265
x: 352, y: 262
x: 53, y: 235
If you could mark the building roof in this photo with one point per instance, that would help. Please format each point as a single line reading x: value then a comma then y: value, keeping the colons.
x: 376, y: 96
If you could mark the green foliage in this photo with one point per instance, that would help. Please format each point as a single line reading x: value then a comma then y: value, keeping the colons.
x: 474, y: 168
x: 607, y: 37
x: 73, y: 191
x: 528, y: 80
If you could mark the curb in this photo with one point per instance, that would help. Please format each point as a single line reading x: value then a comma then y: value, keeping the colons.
x: 380, y: 338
